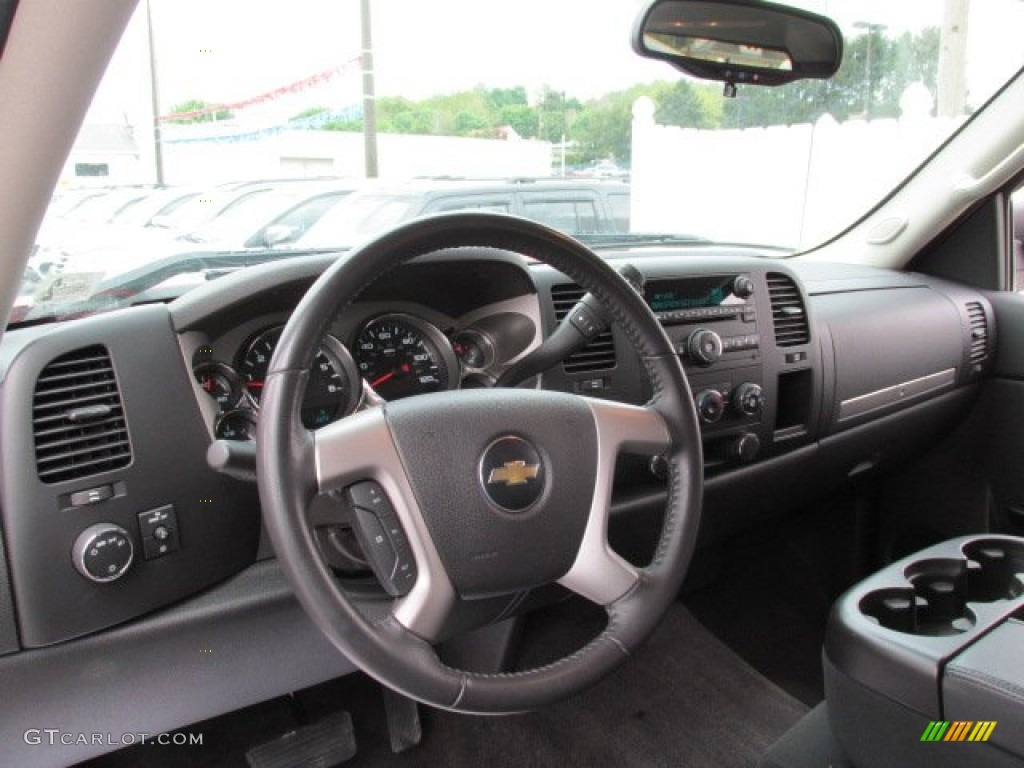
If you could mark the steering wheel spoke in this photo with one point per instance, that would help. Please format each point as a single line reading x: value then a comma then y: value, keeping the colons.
x: 598, y: 573
x: 359, y: 453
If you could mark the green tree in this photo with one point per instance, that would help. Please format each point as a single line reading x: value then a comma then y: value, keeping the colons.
x: 310, y: 112
x: 855, y: 91
x: 209, y: 114
x: 678, y: 104
x: 522, y: 118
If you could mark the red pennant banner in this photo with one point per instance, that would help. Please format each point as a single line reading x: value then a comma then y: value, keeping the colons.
x: 313, y: 81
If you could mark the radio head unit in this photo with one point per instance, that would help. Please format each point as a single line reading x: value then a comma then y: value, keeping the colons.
x: 704, y: 298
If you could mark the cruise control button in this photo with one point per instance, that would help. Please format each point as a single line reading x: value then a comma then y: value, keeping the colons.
x: 376, y: 544
x: 368, y: 495
x: 380, y: 534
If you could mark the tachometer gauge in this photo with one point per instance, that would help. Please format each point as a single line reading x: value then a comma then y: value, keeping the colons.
x: 220, y: 382
x: 401, y: 355
x: 333, y: 389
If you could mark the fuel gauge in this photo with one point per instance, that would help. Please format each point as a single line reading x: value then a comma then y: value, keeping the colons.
x: 220, y: 382
x: 236, y: 425
x: 474, y: 349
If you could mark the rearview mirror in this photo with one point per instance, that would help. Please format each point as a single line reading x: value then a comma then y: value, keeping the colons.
x: 739, y: 41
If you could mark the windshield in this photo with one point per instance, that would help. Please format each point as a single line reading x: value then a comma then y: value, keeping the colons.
x: 554, y: 115
x: 357, y: 218
x: 242, y: 218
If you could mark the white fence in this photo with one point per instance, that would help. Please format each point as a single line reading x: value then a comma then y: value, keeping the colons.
x: 787, y: 185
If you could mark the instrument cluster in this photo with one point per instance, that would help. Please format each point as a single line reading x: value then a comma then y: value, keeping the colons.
x: 397, y: 355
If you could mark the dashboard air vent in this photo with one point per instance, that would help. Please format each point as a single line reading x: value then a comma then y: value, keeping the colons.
x: 979, y: 334
x: 598, y: 355
x: 77, y: 417
x: 788, y: 313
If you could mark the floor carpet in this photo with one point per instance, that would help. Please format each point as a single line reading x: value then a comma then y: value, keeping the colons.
x: 685, y: 699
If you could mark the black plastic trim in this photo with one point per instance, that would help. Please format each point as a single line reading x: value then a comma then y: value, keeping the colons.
x: 240, y: 643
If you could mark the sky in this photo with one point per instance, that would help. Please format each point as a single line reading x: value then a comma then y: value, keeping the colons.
x: 227, y: 50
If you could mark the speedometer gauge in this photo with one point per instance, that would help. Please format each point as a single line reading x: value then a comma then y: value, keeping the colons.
x: 333, y: 387
x: 401, y: 355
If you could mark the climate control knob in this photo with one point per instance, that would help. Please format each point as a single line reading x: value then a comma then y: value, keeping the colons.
x: 710, y: 405
x: 103, y: 552
x: 744, y: 447
x: 748, y: 398
x: 704, y: 346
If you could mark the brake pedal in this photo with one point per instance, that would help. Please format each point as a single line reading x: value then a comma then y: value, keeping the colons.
x: 403, y: 716
x: 327, y: 742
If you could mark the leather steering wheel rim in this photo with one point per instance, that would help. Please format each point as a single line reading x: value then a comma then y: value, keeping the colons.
x: 292, y: 464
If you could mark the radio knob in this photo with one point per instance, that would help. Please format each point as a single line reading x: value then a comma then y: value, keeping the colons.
x: 743, y: 286
x: 102, y: 552
x: 748, y: 398
x: 745, y: 447
x: 704, y: 346
x: 710, y: 405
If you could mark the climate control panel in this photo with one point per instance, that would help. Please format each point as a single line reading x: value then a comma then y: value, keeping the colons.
x: 744, y: 401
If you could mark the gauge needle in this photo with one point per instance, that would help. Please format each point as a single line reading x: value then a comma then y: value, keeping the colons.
x: 254, y: 384
x: 381, y: 379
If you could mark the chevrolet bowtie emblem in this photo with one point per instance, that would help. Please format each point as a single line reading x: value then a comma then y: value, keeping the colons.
x: 513, y: 473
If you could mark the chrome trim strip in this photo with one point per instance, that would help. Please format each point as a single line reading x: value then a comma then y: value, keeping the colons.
x: 897, y: 393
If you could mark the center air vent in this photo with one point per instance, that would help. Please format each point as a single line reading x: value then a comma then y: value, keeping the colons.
x: 979, y: 335
x: 788, y: 313
x: 78, y: 418
x: 598, y: 355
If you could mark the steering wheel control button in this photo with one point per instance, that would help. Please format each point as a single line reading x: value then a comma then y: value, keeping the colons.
x: 380, y: 552
x: 92, y: 496
x: 382, y: 539
x: 159, y: 530
x: 103, y: 552
x: 512, y: 474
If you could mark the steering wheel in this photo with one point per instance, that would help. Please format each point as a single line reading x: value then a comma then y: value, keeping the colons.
x: 498, y: 490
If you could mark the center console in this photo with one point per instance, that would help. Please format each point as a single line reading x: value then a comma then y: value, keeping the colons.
x: 929, y: 650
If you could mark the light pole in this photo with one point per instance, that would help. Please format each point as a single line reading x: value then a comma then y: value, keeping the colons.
x: 369, y: 95
x: 563, y: 134
x: 870, y: 30
x: 158, y: 152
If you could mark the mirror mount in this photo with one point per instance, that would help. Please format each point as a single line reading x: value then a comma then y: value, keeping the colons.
x: 739, y: 41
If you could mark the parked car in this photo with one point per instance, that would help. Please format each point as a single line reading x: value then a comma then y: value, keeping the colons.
x: 576, y: 208
x: 744, y: 491
x: 256, y: 217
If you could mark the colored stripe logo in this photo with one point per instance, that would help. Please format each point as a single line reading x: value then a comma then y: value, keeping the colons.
x: 958, y: 730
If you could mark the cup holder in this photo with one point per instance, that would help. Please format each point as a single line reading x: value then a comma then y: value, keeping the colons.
x: 937, y: 593
x: 934, y: 604
x: 996, y: 570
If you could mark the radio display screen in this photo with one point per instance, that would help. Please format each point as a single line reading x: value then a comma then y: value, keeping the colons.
x: 690, y: 293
